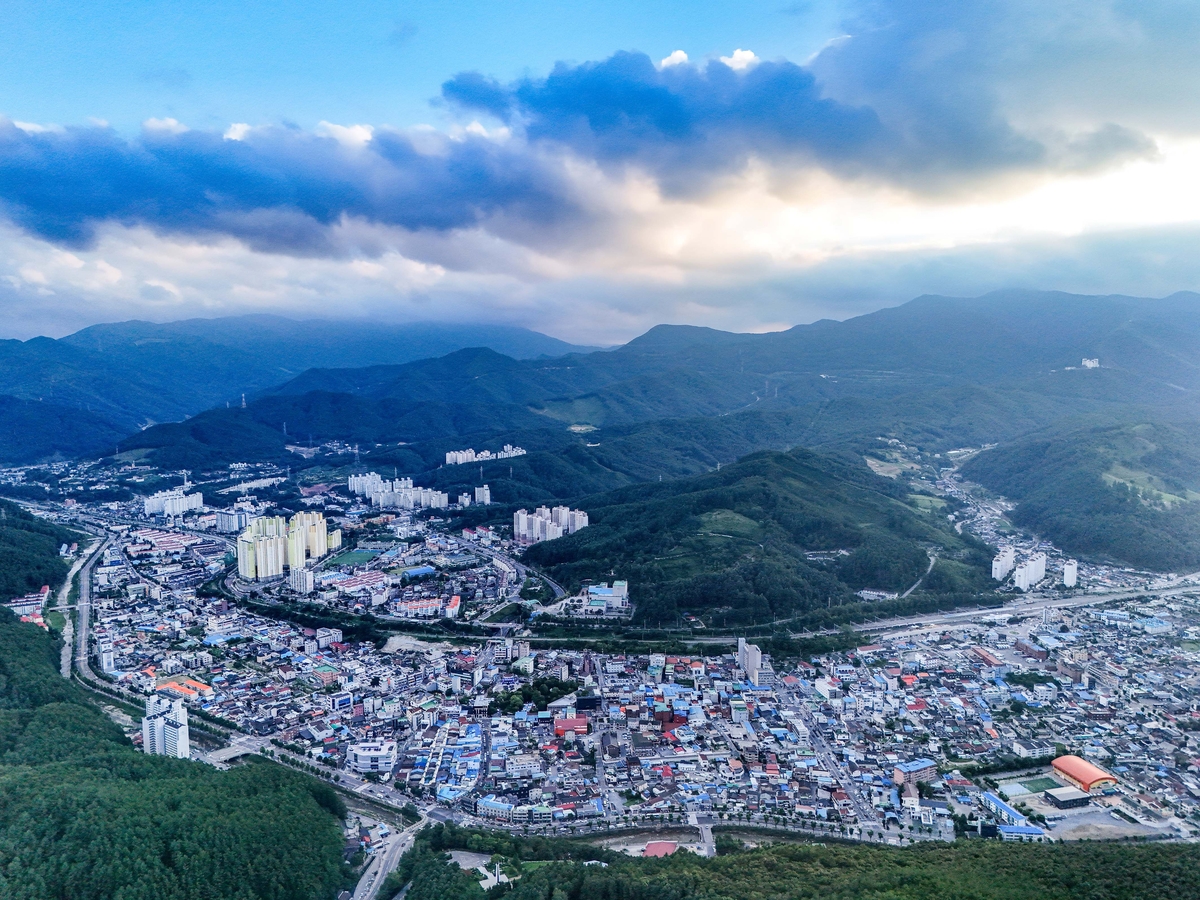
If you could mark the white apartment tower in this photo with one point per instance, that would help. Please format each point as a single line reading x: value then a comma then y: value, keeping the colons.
x: 165, y: 728
x: 1070, y: 573
x: 1030, y: 572
x: 1003, y: 563
x: 749, y: 659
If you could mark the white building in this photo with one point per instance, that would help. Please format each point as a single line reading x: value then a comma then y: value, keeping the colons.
x: 373, y: 756
x: 459, y: 457
x: 749, y: 660
x: 165, y: 728
x: 1070, y: 573
x: 231, y: 521
x: 398, y: 494
x: 545, y: 524
x: 301, y: 580
x: 1003, y: 564
x: 1030, y: 572
x: 271, y: 542
x: 172, y: 503
x: 483, y: 495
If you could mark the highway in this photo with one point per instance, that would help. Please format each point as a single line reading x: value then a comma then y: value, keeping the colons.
x: 60, y: 603
x: 83, y: 611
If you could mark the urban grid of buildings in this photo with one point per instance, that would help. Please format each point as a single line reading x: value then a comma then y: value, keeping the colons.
x: 1087, y: 716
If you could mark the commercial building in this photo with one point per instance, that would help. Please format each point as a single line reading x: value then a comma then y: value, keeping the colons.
x: 915, y: 770
x: 1082, y: 774
x: 165, y: 728
x: 374, y: 756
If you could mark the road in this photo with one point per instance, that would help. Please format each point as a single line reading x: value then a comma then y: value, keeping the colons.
x: 60, y: 603
x: 383, y: 863
x: 83, y: 611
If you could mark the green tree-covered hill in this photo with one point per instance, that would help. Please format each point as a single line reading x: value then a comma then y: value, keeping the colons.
x: 85, y: 816
x: 966, y: 870
x: 773, y: 536
x: 29, y: 552
x: 1128, y: 493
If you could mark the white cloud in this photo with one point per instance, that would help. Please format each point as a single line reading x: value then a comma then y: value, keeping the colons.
x: 677, y: 58
x: 356, y: 136
x: 167, y: 125
x: 237, y: 131
x: 741, y: 60
x: 34, y: 128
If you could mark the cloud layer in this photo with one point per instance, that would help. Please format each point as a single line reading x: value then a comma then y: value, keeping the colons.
x: 614, y: 193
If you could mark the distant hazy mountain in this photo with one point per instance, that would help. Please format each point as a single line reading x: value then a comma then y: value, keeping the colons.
x: 115, y: 379
x: 942, y: 371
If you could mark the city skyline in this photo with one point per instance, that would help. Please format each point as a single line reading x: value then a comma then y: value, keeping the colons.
x: 745, y: 170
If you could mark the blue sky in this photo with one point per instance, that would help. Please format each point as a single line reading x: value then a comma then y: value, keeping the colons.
x: 212, y: 63
x: 589, y: 169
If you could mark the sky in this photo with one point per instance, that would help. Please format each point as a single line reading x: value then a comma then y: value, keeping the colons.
x: 589, y: 169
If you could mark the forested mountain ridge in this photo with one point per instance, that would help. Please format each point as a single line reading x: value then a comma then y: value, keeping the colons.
x: 114, y: 379
x: 942, y: 370
x: 964, y: 870
x: 772, y: 536
x: 85, y: 816
x: 29, y: 552
x: 1128, y: 493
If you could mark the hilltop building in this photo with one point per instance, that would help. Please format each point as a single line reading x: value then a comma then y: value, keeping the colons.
x: 398, y: 494
x: 545, y: 524
x: 458, y: 457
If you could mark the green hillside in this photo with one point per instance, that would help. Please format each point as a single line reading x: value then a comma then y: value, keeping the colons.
x: 1128, y: 493
x: 776, y: 535
x: 966, y: 870
x: 29, y: 552
x: 88, y: 817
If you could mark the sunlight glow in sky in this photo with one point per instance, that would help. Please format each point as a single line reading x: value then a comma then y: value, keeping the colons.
x: 589, y: 174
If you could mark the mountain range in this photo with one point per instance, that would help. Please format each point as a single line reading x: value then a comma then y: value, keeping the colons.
x: 938, y: 373
x: 108, y: 381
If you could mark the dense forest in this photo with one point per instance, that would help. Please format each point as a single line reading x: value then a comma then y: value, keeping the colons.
x: 29, y: 552
x: 966, y: 870
x: 1125, y: 493
x: 775, y: 535
x: 85, y: 816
